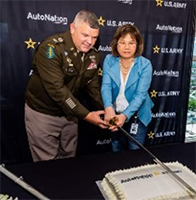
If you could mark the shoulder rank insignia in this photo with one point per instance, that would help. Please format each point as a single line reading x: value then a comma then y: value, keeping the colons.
x: 50, y: 52
x: 60, y: 39
x: 55, y: 40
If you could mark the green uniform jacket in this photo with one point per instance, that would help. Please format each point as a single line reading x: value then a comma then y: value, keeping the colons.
x: 59, y: 74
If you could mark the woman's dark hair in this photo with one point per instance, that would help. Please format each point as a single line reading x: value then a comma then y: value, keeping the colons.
x: 122, y: 31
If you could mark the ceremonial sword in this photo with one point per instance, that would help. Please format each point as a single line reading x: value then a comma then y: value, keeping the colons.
x: 113, y: 122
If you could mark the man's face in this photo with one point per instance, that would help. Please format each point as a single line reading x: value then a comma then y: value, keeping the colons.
x: 83, y: 36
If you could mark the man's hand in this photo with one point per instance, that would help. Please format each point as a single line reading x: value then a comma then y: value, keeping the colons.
x: 95, y: 118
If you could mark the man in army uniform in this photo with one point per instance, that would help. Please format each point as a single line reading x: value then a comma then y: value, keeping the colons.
x: 63, y: 65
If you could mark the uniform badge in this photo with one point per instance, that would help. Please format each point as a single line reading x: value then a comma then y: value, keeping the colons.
x: 70, y: 103
x: 72, y: 48
x: 70, y: 70
x: 92, y: 57
x: 92, y: 65
x: 69, y: 61
x: 50, y: 53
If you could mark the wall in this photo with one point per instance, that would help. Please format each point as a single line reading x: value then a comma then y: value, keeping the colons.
x: 168, y: 31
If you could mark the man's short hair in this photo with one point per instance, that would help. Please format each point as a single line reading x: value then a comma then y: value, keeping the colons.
x: 88, y: 17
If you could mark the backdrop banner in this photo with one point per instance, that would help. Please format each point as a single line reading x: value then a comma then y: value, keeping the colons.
x: 167, y: 28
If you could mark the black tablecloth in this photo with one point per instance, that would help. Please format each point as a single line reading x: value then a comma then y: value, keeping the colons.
x: 74, y: 178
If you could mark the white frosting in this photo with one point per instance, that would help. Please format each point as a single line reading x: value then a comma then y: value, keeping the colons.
x: 149, y: 182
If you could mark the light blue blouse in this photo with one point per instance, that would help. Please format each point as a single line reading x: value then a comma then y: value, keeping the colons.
x: 136, y: 90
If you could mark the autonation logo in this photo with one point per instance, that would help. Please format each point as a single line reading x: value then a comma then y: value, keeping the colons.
x: 47, y: 17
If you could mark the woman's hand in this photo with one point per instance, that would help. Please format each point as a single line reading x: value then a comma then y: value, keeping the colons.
x: 109, y: 114
x: 121, y: 120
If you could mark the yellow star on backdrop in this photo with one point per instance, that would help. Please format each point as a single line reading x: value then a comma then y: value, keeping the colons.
x: 156, y: 49
x: 100, y: 72
x: 151, y: 135
x: 30, y: 44
x: 159, y: 3
x: 101, y: 21
x: 153, y: 93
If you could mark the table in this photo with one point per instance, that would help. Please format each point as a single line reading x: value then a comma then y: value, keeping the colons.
x: 75, y: 178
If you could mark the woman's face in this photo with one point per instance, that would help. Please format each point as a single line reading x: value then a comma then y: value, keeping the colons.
x: 126, y: 46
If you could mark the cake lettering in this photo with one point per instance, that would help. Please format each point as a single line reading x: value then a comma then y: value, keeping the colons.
x: 147, y: 176
x: 137, y: 178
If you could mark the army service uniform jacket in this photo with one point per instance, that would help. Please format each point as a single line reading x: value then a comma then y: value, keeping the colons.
x: 59, y: 73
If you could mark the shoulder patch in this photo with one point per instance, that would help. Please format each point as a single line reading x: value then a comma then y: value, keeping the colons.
x: 56, y: 41
x: 50, y: 52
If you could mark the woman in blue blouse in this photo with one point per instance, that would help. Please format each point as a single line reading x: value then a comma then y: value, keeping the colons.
x: 126, y: 79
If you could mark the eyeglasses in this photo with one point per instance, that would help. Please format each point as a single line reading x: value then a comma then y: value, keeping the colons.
x: 129, y: 44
